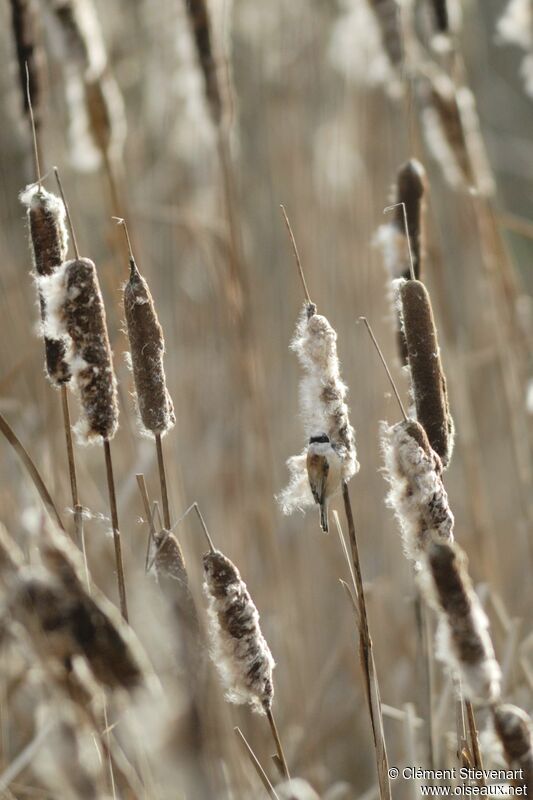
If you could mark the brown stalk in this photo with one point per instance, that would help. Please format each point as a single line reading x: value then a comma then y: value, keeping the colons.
x: 279, y: 746
x: 474, y: 739
x: 296, y: 255
x: 256, y: 765
x: 367, y: 658
x: 116, y: 531
x: 78, y: 509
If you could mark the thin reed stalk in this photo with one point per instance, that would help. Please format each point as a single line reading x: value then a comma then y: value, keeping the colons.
x: 367, y: 658
x: 116, y: 530
x: 256, y: 765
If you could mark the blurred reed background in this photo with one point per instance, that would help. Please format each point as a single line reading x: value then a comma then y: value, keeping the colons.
x: 309, y: 120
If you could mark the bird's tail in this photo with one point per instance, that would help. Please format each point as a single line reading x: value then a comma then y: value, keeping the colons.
x: 324, y: 517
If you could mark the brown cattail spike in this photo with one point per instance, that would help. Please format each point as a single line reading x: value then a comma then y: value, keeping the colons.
x: 147, y: 347
x: 49, y: 242
x: 238, y: 647
x: 465, y: 643
x: 440, y: 15
x: 514, y: 729
x: 201, y: 27
x: 76, y: 311
x: 427, y: 376
x: 410, y: 188
x: 388, y: 16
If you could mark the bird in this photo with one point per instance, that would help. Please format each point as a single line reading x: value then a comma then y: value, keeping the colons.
x: 324, y: 473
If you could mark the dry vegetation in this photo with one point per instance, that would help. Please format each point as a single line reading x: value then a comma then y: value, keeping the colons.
x: 173, y: 625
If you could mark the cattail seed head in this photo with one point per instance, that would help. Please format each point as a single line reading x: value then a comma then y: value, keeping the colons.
x: 427, y: 376
x: 29, y: 56
x: 147, y: 348
x: 238, y: 648
x: 464, y: 640
x: 200, y: 22
x: 48, y: 244
x: 64, y: 620
x: 391, y: 238
x: 416, y: 493
x: 452, y: 132
x: 388, y: 16
x: 514, y: 729
x: 168, y: 558
x: 323, y: 405
x: 76, y: 311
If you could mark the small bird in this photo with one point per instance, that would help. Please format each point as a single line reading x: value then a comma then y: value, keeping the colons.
x: 324, y: 472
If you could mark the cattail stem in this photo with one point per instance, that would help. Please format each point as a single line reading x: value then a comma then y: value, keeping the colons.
x: 67, y: 211
x: 116, y: 532
x: 204, y: 526
x: 474, y: 739
x: 374, y: 705
x: 279, y: 746
x: 78, y: 510
x: 386, y: 366
x: 296, y: 254
x: 141, y: 483
x: 162, y: 480
x: 256, y: 765
x: 33, y: 128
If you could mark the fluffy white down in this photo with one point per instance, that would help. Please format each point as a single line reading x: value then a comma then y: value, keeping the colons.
x: 417, y: 494
x: 480, y: 682
x: 233, y: 656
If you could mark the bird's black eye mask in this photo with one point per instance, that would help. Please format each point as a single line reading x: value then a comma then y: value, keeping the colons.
x: 321, y: 439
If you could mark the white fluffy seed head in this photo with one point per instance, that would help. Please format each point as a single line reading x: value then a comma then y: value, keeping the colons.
x: 323, y: 405
x: 238, y: 648
x: 416, y: 494
x: 463, y: 640
x: 514, y: 730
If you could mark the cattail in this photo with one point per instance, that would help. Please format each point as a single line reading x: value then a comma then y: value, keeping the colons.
x: 427, y: 377
x: 403, y: 256
x: 76, y: 311
x: 49, y: 244
x: 199, y: 18
x: 356, y: 48
x: 323, y: 407
x: 97, y: 123
x: 464, y: 641
x: 439, y: 9
x: 29, y: 56
x: 147, y: 348
x: 513, y: 727
x: 397, y: 251
x: 238, y: 648
x: 453, y: 136
x: 64, y: 620
x: 389, y: 20
x: 168, y: 557
x: 417, y: 493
